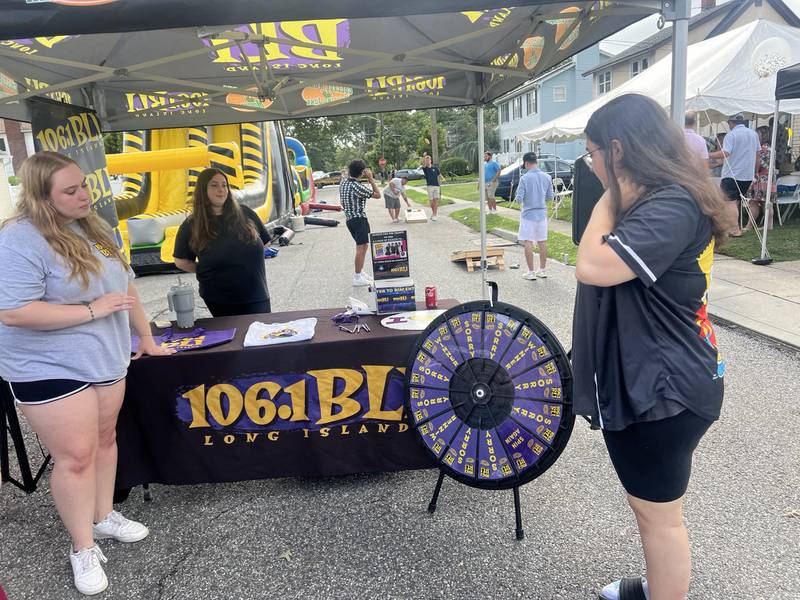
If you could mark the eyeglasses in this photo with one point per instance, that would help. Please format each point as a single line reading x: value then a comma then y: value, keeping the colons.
x: 587, y: 157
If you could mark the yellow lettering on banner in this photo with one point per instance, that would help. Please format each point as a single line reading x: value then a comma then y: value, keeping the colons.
x: 99, y: 184
x: 251, y: 437
x: 325, y: 29
x: 261, y: 410
x: 197, y: 402
x: 345, y: 430
x: 377, y: 375
x: 49, y: 42
x: 363, y: 429
x: 229, y: 439
x: 305, y: 433
x: 402, y: 427
x: 325, y: 431
x: 326, y: 379
x: 383, y: 427
x: 214, y: 403
x: 297, y: 392
x: 272, y: 436
x: 207, y: 441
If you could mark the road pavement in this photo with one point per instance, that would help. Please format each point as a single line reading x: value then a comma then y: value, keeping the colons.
x: 369, y: 536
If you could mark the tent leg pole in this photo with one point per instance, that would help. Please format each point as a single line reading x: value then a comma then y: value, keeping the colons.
x: 680, y: 57
x: 763, y: 260
x: 482, y: 188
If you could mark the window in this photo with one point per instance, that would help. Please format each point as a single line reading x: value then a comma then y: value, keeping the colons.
x: 506, y: 145
x: 516, y: 106
x: 3, y: 144
x: 603, y: 83
x: 638, y: 66
x: 531, y: 146
x: 518, y: 146
x: 532, y: 100
x: 504, y: 112
x: 559, y: 93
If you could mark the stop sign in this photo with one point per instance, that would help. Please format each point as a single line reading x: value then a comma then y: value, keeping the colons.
x: 382, y: 161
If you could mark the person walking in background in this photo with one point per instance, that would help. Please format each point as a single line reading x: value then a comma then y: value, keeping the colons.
x: 739, y: 150
x: 644, y: 354
x: 535, y: 189
x: 353, y: 196
x: 433, y: 181
x: 715, y: 164
x: 696, y: 142
x: 491, y: 173
x: 758, y: 191
x: 222, y: 241
x: 67, y: 303
x: 391, y: 197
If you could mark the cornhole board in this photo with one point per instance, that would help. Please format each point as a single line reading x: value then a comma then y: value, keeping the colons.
x: 494, y: 257
x: 416, y: 215
x: 496, y: 242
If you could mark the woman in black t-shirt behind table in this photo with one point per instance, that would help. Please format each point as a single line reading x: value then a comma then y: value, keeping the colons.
x: 647, y: 369
x: 223, y: 242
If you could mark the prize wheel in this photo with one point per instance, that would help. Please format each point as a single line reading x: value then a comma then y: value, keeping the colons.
x: 490, y: 394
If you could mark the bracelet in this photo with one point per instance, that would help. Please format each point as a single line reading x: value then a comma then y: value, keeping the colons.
x: 89, y: 306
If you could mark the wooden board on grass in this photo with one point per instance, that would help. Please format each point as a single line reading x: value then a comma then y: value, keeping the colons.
x: 494, y: 257
x: 416, y: 215
x: 494, y: 242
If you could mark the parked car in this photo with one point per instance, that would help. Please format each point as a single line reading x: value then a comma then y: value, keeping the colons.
x: 509, y: 176
x: 410, y: 173
x: 332, y: 178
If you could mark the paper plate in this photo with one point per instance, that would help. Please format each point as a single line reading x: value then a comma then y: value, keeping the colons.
x: 411, y: 321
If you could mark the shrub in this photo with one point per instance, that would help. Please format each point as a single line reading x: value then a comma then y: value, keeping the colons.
x: 13, y: 180
x: 455, y: 166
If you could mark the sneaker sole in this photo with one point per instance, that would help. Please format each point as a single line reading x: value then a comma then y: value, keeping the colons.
x: 127, y: 540
x: 93, y: 591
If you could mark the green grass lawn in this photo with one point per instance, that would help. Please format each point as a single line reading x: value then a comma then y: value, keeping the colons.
x: 783, y: 243
x: 462, y: 191
x: 564, y: 210
x: 558, y: 244
x: 422, y: 198
x: 461, y: 179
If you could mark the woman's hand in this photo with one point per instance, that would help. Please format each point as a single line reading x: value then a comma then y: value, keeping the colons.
x: 148, y: 346
x: 111, y: 303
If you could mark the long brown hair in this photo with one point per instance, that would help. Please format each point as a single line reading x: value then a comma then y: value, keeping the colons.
x: 34, y: 204
x: 655, y: 154
x: 203, y: 228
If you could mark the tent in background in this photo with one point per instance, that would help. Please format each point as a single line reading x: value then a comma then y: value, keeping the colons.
x: 732, y: 72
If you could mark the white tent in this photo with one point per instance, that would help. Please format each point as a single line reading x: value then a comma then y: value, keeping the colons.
x: 729, y: 73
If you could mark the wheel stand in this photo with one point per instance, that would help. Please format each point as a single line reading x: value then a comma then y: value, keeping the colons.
x: 520, y: 532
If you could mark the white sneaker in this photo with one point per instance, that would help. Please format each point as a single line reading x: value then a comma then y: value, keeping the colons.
x: 541, y: 274
x: 90, y: 578
x: 530, y: 276
x: 116, y: 526
x: 366, y: 276
x: 433, y: 217
x: 359, y: 281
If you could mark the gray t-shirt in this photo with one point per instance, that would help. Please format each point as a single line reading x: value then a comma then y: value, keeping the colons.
x: 96, y: 351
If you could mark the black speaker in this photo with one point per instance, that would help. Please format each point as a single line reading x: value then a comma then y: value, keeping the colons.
x: 586, y: 191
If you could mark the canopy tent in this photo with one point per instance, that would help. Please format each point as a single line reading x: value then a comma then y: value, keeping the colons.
x: 787, y: 84
x: 171, y: 63
x: 732, y: 72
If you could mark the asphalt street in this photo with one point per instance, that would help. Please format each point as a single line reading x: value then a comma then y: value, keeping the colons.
x: 369, y: 536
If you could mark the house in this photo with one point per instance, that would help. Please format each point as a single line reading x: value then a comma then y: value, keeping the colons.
x: 16, y: 139
x: 709, y: 22
x: 554, y: 93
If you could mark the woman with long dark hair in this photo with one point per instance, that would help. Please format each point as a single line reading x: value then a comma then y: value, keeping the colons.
x: 223, y: 242
x: 67, y: 302
x: 647, y: 369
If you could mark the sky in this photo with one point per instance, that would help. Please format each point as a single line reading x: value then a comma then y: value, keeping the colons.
x: 638, y: 31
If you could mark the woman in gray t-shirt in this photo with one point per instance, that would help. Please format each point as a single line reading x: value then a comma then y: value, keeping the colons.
x: 66, y: 298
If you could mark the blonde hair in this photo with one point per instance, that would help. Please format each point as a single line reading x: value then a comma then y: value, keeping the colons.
x: 34, y: 204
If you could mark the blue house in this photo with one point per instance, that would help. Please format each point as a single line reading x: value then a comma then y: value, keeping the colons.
x: 554, y: 93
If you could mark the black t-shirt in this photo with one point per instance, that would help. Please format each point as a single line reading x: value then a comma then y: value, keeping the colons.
x: 229, y: 270
x: 431, y: 175
x: 645, y: 350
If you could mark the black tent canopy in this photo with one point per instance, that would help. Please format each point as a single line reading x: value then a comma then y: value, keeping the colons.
x: 788, y: 83
x: 173, y: 63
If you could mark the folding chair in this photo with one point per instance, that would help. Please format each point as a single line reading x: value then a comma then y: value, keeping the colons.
x: 789, y: 198
x: 560, y: 193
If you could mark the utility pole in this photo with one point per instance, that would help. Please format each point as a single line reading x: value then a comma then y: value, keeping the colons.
x: 434, y: 139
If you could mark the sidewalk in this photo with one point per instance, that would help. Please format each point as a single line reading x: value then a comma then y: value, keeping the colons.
x: 763, y: 300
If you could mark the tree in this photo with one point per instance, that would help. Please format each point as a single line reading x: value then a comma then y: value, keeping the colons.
x: 112, y: 142
x: 462, y: 125
x: 424, y: 142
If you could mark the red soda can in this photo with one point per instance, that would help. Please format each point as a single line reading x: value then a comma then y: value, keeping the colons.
x: 430, y: 296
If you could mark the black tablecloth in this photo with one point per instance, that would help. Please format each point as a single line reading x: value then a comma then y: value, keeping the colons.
x: 328, y: 406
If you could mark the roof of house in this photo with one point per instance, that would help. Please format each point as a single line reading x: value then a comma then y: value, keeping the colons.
x: 728, y: 14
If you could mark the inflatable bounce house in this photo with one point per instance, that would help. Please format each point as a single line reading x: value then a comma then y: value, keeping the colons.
x: 302, y: 169
x: 160, y: 168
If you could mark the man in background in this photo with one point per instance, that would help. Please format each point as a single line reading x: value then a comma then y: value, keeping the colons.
x: 491, y: 173
x: 696, y: 143
x: 353, y: 196
x: 739, y: 150
x: 391, y: 197
x: 433, y: 181
x: 535, y: 188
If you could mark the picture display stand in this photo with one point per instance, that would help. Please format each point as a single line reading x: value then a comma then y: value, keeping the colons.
x: 490, y: 396
x: 394, y: 288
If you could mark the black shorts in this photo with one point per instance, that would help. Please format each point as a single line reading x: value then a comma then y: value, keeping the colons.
x: 653, y: 460
x: 359, y: 229
x: 50, y: 390
x: 734, y: 189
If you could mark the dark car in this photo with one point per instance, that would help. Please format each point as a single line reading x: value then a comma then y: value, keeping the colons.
x: 411, y: 174
x: 555, y: 167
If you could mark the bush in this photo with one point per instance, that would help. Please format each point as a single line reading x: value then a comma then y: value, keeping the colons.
x: 13, y: 180
x: 454, y: 166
